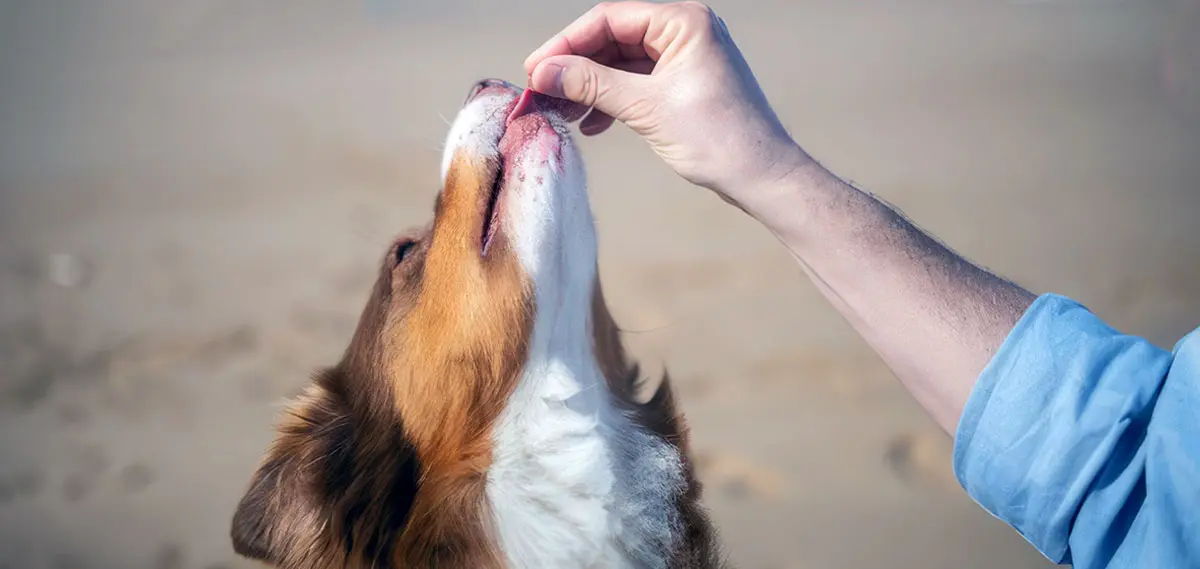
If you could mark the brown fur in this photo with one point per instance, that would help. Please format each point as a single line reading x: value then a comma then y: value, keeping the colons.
x: 437, y: 351
x: 382, y: 462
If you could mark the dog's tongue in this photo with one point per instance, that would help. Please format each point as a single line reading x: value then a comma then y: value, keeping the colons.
x: 525, y: 105
x: 531, y: 102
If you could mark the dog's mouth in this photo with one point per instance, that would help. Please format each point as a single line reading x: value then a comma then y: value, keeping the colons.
x: 526, y: 127
x: 491, y: 215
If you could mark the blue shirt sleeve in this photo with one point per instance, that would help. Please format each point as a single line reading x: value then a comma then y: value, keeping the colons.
x: 1087, y: 441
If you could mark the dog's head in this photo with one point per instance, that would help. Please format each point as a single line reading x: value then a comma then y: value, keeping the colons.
x: 382, y: 462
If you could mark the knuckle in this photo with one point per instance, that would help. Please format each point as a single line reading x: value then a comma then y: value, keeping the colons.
x: 697, y: 10
x: 596, y: 12
x: 586, y: 89
x: 697, y: 15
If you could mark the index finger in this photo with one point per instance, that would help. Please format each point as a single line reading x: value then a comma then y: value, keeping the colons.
x: 626, y: 25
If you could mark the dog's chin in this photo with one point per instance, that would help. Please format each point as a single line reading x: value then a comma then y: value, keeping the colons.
x: 536, y: 201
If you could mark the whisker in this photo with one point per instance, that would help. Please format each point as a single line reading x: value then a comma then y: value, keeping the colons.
x: 361, y: 234
x: 590, y: 386
x: 432, y: 146
x: 646, y: 330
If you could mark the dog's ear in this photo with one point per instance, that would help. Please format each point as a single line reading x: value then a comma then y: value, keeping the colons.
x: 335, y: 489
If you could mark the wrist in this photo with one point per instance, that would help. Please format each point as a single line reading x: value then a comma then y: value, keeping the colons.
x: 776, y: 195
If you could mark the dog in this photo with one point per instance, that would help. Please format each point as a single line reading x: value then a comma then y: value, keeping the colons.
x: 485, y: 414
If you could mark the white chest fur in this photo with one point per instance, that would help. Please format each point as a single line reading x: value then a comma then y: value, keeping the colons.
x: 574, y: 483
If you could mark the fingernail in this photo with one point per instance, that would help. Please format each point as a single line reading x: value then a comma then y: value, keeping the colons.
x: 553, y: 83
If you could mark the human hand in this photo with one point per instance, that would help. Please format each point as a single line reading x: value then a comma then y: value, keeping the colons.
x: 673, y: 74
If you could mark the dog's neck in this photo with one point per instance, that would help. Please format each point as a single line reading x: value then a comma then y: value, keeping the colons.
x: 575, y: 482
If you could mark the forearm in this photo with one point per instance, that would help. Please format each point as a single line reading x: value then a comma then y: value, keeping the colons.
x: 935, y: 318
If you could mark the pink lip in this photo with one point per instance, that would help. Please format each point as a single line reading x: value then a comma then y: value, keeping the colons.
x: 524, y: 105
x: 524, y: 121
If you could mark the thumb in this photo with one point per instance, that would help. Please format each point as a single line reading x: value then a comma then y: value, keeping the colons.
x: 583, y: 81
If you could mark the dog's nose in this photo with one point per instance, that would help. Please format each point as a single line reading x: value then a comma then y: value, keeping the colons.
x: 485, y: 84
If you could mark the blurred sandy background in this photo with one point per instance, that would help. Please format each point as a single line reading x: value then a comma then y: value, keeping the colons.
x: 193, y: 195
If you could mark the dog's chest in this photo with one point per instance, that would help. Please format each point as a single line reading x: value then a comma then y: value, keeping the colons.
x: 574, y: 483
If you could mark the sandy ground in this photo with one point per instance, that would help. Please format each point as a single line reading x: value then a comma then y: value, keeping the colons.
x: 193, y: 195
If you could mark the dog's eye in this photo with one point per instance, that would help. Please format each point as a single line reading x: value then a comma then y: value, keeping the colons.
x: 402, y: 250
